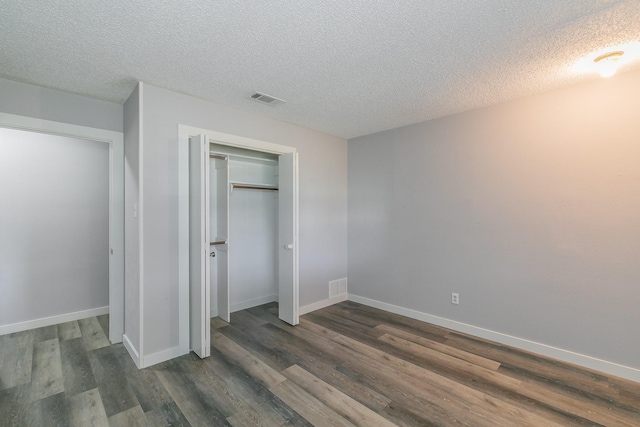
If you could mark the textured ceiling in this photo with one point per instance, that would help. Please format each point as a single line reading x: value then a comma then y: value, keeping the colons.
x: 348, y: 68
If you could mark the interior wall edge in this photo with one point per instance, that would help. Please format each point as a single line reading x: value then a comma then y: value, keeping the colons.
x: 582, y: 360
x: 141, y: 218
x: 52, y: 320
x: 131, y: 349
x: 132, y: 134
x: 161, y: 356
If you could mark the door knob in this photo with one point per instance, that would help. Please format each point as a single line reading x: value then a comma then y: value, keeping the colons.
x: 288, y: 247
x: 212, y: 254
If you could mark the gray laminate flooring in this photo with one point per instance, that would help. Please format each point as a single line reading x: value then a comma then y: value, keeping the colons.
x: 344, y: 365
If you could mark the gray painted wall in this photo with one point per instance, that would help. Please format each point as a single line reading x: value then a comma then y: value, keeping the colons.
x: 131, y: 223
x: 323, y: 201
x: 530, y: 210
x: 54, y: 225
x: 49, y: 104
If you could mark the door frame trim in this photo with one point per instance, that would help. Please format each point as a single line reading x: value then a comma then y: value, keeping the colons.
x: 184, y: 132
x: 116, y: 201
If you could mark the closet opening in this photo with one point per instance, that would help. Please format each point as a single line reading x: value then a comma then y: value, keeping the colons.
x: 242, y: 230
x: 250, y: 228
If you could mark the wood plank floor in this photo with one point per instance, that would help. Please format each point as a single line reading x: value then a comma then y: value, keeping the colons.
x: 344, y: 365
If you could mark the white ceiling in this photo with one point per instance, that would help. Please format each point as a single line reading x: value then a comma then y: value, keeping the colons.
x: 348, y: 68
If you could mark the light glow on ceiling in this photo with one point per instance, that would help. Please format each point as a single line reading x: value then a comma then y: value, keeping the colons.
x: 608, y: 60
x: 608, y: 63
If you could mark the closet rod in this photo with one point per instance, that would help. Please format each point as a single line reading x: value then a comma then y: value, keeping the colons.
x: 221, y: 242
x: 215, y: 156
x: 254, y: 187
x: 242, y: 156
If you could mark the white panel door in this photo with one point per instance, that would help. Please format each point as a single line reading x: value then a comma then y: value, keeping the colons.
x: 287, y: 238
x: 222, y: 235
x: 199, y: 268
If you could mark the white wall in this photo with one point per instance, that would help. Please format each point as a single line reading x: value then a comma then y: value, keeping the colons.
x: 54, y: 225
x: 530, y: 210
x: 323, y: 201
x: 49, y: 104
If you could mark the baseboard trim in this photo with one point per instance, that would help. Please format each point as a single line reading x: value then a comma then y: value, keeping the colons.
x: 585, y: 361
x: 152, y: 359
x: 131, y: 350
x: 52, y: 320
x: 243, y: 305
x: 161, y: 356
x: 322, y: 304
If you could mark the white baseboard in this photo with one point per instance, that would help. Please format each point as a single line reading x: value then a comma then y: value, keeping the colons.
x: 52, y: 320
x: 243, y: 305
x: 152, y: 359
x: 322, y: 304
x: 161, y: 356
x: 131, y: 350
x: 589, y: 362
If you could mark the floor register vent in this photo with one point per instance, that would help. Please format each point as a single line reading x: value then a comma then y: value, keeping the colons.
x: 337, y: 287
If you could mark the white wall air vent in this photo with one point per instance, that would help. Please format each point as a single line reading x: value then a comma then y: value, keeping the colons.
x: 267, y: 99
x: 337, y: 287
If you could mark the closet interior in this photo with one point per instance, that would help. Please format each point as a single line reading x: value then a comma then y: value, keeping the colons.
x: 243, y: 229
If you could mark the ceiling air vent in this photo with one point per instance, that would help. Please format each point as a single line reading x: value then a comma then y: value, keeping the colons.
x: 267, y: 99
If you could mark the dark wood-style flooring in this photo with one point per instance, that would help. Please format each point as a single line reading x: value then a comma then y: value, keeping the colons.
x: 343, y: 365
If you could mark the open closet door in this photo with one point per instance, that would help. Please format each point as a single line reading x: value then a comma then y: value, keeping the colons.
x: 199, y: 268
x: 287, y: 238
x: 222, y: 235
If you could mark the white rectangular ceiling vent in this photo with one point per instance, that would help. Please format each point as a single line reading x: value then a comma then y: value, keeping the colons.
x: 267, y: 99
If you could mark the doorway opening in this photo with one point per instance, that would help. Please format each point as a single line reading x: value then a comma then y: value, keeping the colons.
x: 45, y: 132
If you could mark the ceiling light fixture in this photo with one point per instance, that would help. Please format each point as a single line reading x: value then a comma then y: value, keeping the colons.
x: 607, y: 63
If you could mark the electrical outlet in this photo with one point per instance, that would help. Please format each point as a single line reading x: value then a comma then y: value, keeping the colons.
x: 455, y: 298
